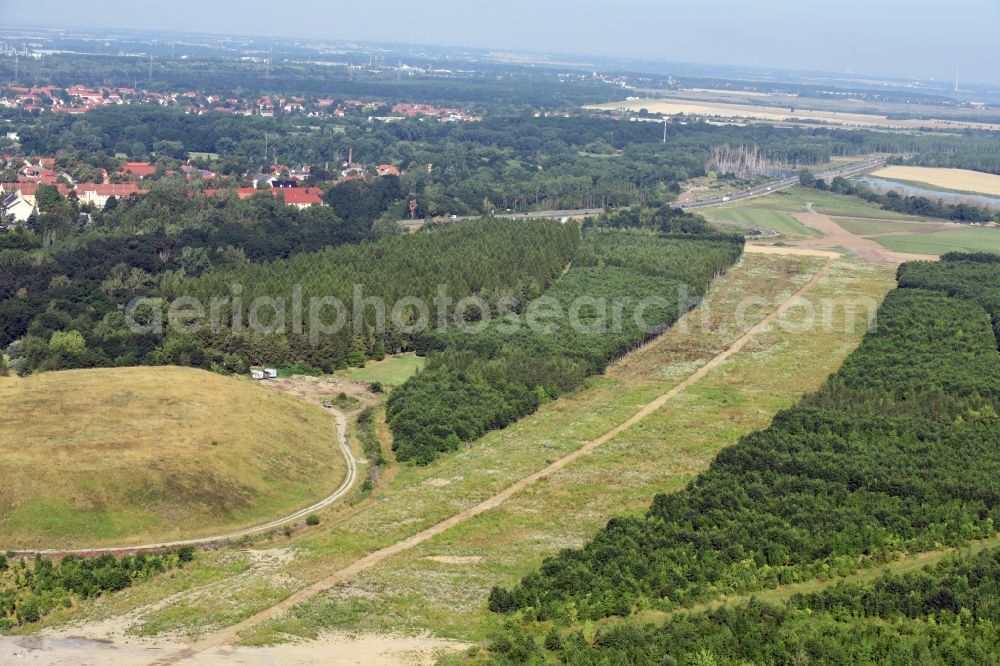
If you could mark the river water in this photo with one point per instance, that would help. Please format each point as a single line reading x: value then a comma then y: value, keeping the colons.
x: 882, y: 185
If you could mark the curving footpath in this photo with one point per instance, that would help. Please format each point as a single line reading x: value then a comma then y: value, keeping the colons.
x: 340, y: 430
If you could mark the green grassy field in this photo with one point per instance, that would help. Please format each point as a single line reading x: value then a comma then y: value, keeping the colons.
x: 971, y: 239
x: 864, y: 227
x: 762, y: 217
x: 390, y: 371
x: 133, y: 455
x: 194, y: 155
x: 795, y: 199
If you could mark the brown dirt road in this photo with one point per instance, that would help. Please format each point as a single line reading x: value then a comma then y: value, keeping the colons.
x: 835, y: 236
x: 230, y: 635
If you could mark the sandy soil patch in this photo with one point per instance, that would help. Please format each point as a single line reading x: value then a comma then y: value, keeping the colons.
x: 318, y: 389
x: 780, y: 114
x: 836, y: 236
x: 962, y: 180
x: 439, y: 482
x: 330, y: 650
x: 800, y: 251
x: 454, y: 559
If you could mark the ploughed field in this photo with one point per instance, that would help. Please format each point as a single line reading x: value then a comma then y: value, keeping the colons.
x: 123, y: 456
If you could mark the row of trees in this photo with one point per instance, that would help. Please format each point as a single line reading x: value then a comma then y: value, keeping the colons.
x: 894, y: 201
x: 898, y: 451
x: 948, y: 613
x: 488, y: 378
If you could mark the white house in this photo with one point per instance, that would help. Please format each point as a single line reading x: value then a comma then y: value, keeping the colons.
x: 17, y: 206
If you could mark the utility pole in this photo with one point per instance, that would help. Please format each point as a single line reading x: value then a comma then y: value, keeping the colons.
x: 664, y: 130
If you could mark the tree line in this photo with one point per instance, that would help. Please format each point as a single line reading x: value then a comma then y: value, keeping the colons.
x: 894, y: 201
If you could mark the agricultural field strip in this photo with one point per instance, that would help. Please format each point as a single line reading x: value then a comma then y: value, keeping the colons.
x: 952, y: 180
x: 340, y: 434
x: 231, y: 634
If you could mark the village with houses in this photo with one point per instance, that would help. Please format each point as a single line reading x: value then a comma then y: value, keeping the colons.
x: 21, y: 176
x: 79, y: 99
x: 293, y: 185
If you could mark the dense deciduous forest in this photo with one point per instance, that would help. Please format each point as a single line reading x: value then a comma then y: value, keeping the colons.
x: 514, y: 85
x: 898, y: 451
x: 475, y: 382
x: 140, y: 246
x: 948, y: 613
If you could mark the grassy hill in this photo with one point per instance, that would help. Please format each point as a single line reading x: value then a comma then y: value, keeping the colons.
x: 129, y: 455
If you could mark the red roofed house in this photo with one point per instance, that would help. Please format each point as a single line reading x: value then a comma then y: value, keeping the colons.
x: 31, y: 189
x: 387, y: 170
x: 301, y: 197
x: 140, y: 169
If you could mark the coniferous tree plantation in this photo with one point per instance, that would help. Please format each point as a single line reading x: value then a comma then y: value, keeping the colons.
x: 948, y: 613
x: 899, y: 451
x: 492, y: 259
x: 485, y: 380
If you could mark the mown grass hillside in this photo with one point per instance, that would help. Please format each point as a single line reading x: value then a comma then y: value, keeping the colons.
x: 127, y: 455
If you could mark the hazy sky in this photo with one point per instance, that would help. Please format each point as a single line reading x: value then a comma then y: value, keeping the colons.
x: 920, y: 38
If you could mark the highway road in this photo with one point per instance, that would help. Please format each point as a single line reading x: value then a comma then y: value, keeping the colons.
x: 767, y: 188
x: 574, y: 213
x: 761, y: 190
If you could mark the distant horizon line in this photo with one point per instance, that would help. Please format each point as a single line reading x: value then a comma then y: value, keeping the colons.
x: 609, y: 60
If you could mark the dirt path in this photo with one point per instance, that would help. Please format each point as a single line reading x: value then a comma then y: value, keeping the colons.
x: 230, y: 635
x: 906, y: 563
x: 340, y: 434
x: 835, y: 236
x: 793, y: 251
